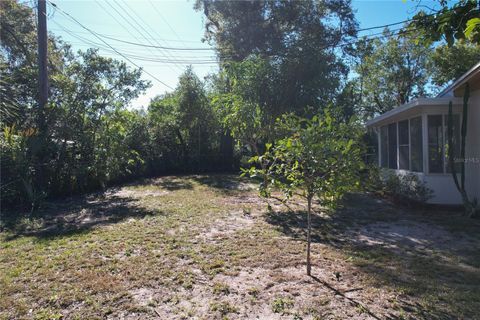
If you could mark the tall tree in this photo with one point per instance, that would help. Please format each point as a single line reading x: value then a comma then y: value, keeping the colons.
x: 185, y: 124
x: 450, y: 62
x: 241, y: 28
x: 295, y: 38
x: 389, y: 72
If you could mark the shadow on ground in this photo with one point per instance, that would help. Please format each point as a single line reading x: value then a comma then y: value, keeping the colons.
x: 421, y: 253
x: 171, y: 183
x: 224, y: 183
x: 77, y: 215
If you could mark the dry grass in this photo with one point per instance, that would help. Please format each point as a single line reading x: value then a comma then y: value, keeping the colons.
x: 206, y: 247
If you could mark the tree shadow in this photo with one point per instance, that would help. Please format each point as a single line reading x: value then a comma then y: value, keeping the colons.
x: 172, y: 183
x: 77, y: 215
x: 342, y: 294
x: 221, y: 182
x: 396, y: 249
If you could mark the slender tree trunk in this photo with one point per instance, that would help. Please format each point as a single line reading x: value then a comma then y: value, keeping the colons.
x: 184, y: 147
x: 470, y: 208
x: 309, y: 231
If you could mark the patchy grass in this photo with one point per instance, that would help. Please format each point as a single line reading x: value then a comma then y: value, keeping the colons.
x: 220, y: 288
x: 206, y: 247
x: 281, y: 305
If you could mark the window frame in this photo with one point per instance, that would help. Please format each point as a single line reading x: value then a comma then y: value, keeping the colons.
x: 444, y: 140
x: 383, y: 162
x: 422, y: 155
x: 425, y: 156
x: 397, y: 126
x: 404, y: 145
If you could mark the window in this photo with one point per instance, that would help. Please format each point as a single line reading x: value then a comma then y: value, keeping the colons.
x: 405, y: 140
x: 416, y: 145
x: 403, y: 145
x: 435, y: 143
x: 384, y: 146
x: 438, y: 144
x: 456, y: 141
x: 392, y: 146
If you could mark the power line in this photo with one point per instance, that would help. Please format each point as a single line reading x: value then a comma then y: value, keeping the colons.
x: 176, y: 48
x: 92, y: 32
x: 140, y: 23
x: 133, y: 26
x: 402, y: 22
x: 185, y: 59
x: 160, y: 47
x: 166, y: 22
x: 212, y: 49
x: 148, y: 25
x: 387, y: 25
x: 164, y: 39
x: 198, y: 61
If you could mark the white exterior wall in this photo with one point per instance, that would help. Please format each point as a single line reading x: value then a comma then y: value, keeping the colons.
x: 445, y: 191
x: 472, y: 149
x: 442, y: 184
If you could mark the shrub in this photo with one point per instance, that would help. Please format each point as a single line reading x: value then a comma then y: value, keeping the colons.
x: 407, y: 187
x: 371, y: 179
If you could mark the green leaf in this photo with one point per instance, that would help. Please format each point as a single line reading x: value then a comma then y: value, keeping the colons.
x: 289, y: 143
x: 471, y: 26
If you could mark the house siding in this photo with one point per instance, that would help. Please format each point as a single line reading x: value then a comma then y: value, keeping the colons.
x: 442, y: 184
x: 472, y: 150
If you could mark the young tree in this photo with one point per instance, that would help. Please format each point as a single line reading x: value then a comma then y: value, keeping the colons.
x: 320, y: 157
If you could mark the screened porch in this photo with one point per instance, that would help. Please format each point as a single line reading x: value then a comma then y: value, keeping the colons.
x: 418, y: 143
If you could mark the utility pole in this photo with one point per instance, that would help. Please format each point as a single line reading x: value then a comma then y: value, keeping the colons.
x: 42, y: 62
x: 40, y: 144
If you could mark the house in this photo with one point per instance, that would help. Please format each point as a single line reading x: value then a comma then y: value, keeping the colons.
x: 413, y: 138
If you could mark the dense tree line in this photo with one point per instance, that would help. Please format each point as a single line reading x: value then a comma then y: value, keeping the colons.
x: 93, y: 138
x: 275, y: 58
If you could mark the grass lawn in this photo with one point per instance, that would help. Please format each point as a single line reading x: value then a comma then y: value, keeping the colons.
x: 206, y: 247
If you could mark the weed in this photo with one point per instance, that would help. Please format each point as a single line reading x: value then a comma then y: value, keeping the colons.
x: 281, y: 304
x: 253, y: 292
x: 223, y: 308
x: 221, y: 288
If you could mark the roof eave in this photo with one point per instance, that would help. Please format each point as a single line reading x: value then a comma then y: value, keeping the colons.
x: 420, y: 102
x: 467, y: 75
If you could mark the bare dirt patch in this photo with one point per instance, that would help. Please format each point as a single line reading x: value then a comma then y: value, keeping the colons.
x: 412, y: 234
x: 135, y: 193
x: 220, y: 228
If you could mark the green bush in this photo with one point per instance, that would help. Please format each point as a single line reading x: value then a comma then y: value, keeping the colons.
x: 407, y: 187
x: 404, y: 187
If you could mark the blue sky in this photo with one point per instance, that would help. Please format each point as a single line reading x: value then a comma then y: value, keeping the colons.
x: 173, y: 24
